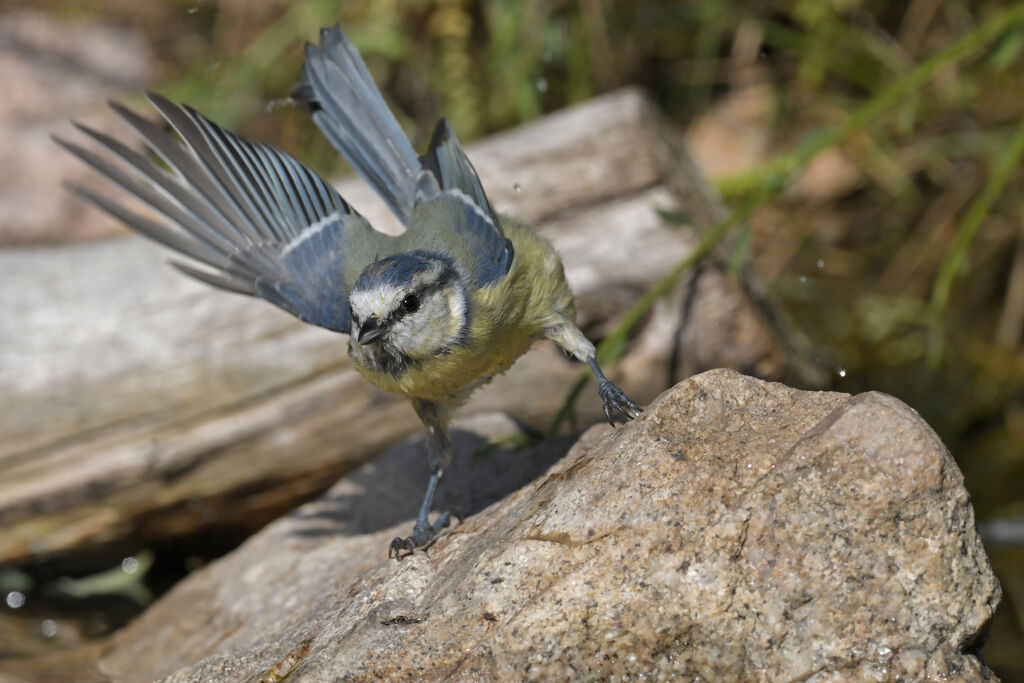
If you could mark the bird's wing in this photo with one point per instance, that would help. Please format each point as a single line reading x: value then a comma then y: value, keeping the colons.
x: 460, y: 206
x: 450, y: 165
x: 349, y: 109
x: 259, y: 221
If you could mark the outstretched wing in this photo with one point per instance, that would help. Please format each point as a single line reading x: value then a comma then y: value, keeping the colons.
x: 261, y: 222
x: 462, y: 199
x: 350, y: 111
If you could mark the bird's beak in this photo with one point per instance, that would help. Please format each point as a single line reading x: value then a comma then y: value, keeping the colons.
x: 370, y: 331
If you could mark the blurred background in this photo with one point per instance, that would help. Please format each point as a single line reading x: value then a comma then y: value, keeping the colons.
x: 870, y: 152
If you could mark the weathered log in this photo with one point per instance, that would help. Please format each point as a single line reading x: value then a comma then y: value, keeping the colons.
x: 137, y: 404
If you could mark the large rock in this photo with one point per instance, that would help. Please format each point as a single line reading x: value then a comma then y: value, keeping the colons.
x: 740, y: 530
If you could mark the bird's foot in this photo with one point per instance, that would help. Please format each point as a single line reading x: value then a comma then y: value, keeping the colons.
x: 423, y: 534
x: 616, y: 402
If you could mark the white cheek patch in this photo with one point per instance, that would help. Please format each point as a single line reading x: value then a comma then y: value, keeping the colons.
x: 457, y: 307
x: 433, y: 328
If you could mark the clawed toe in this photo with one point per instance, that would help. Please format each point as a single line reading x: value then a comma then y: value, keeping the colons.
x: 423, y: 535
x: 617, y: 403
x: 400, y: 544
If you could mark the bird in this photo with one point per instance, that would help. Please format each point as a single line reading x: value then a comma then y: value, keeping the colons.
x: 431, y: 314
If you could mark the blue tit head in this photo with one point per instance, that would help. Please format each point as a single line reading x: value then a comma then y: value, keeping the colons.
x: 409, y: 307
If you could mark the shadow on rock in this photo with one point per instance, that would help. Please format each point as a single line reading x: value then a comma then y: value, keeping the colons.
x: 389, y: 490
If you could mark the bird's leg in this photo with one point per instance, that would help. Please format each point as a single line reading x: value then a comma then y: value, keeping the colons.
x: 439, y: 455
x: 613, y: 398
x: 568, y: 336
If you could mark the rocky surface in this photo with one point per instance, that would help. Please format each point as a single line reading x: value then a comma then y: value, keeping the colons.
x: 740, y: 530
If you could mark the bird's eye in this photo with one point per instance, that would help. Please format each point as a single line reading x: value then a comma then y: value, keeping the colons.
x: 411, y: 303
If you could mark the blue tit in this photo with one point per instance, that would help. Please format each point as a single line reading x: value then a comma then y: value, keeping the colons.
x: 431, y: 314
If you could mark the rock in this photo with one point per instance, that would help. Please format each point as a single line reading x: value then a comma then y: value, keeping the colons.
x: 740, y: 530
x: 54, y: 71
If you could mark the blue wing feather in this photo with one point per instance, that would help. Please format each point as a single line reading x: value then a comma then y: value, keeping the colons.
x: 258, y: 220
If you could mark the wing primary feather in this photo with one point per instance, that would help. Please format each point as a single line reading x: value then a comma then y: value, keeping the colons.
x: 325, y: 196
x: 155, y: 231
x: 293, y: 171
x: 254, y: 261
x: 230, y: 283
x: 179, y: 118
x: 242, y: 182
x: 350, y: 111
x: 190, y: 172
x: 289, y: 195
x: 165, y: 196
x: 194, y: 245
x: 269, y: 188
x: 275, y: 199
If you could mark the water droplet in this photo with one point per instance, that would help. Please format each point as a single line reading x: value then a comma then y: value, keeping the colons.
x: 841, y: 371
x: 803, y: 279
x: 542, y: 85
x: 129, y: 565
x: 821, y: 263
x: 193, y: 10
x: 49, y: 628
x: 517, y: 187
x: 15, y: 599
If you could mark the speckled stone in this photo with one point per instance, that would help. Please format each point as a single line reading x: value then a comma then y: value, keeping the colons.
x: 741, y: 530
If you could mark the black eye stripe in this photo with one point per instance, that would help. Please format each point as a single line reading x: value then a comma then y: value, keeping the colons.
x: 422, y: 293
